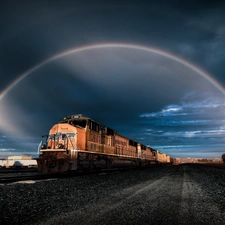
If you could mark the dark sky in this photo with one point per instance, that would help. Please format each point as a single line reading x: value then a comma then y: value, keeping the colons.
x: 142, y: 93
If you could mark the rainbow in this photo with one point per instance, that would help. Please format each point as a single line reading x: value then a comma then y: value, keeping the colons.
x: 115, y: 45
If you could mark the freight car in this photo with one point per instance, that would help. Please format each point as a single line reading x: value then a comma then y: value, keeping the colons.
x: 223, y: 158
x: 175, y: 161
x: 80, y: 143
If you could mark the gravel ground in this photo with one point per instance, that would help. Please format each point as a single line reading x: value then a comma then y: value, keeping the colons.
x: 185, y: 194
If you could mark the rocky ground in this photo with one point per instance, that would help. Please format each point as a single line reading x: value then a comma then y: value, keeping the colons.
x: 185, y: 194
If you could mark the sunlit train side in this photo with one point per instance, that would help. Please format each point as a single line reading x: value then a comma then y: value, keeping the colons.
x: 80, y: 143
x: 162, y: 158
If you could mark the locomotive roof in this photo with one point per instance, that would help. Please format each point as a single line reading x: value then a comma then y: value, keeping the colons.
x: 76, y: 116
x: 80, y: 116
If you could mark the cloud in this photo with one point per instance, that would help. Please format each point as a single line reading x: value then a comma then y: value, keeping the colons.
x: 171, y: 110
x: 140, y: 94
x: 198, y: 119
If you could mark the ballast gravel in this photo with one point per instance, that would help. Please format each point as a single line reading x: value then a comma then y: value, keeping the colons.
x: 184, y: 194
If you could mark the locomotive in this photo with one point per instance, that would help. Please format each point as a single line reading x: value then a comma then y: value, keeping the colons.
x: 78, y: 143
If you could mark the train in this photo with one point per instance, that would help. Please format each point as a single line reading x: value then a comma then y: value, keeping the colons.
x: 79, y: 143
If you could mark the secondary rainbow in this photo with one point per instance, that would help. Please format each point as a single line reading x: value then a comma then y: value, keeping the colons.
x: 116, y: 45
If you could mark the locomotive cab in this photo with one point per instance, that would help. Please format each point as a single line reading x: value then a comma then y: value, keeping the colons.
x: 57, y: 151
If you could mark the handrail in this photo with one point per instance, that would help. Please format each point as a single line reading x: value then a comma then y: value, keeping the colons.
x: 39, y: 147
x: 72, y: 142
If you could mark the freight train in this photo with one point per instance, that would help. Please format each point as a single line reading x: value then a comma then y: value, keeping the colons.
x: 78, y: 143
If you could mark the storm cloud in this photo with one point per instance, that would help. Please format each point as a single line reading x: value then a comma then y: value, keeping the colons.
x: 146, y: 96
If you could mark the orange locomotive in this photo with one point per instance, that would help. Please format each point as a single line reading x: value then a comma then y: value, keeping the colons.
x: 80, y: 143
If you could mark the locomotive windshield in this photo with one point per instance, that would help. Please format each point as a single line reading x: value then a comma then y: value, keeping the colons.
x: 61, y: 136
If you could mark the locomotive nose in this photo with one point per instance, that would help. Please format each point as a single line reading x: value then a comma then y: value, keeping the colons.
x: 50, y: 163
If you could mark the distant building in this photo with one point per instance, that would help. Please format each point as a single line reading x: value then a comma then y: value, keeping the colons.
x: 20, y: 161
x: 26, y: 157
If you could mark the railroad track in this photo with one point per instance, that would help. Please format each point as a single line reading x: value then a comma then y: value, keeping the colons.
x: 6, y: 180
x: 17, y: 170
x: 11, y: 179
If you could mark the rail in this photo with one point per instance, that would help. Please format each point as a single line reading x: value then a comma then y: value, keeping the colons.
x: 19, y: 170
x: 11, y: 179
